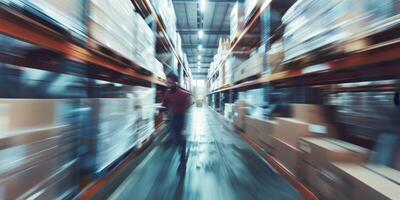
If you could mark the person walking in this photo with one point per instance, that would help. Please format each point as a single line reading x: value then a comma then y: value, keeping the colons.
x: 177, y: 101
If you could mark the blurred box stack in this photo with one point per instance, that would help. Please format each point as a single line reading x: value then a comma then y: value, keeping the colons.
x: 144, y: 102
x: 363, y: 181
x: 228, y: 111
x: 117, y: 126
x: 312, y: 24
x: 70, y: 15
x: 259, y: 130
x: 249, y: 7
x: 308, y: 121
x: 144, y: 46
x: 275, y: 56
x: 316, y: 162
x: 38, y: 149
x: 239, y: 114
x: 237, y: 20
x: 112, y: 25
x: 231, y: 65
x: 165, y: 10
x: 225, y: 70
x: 352, y: 107
x: 111, y: 132
x: 254, y: 66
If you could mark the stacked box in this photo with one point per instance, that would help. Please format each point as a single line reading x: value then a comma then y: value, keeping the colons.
x: 119, y: 28
x: 310, y: 121
x: 275, y: 56
x: 112, y: 26
x: 111, y: 132
x: 317, y: 158
x: 229, y: 111
x: 251, y: 67
x: 117, y: 126
x: 240, y: 111
x: 250, y: 6
x: 144, y: 42
x: 291, y: 130
x: 38, y: 149
x: 69, y: 14
x: 166, y: 11
x: 258, y: 129
x: 230, y: 67
x: 237, y: 20
x: 370, y: 181
x: 312, y: 24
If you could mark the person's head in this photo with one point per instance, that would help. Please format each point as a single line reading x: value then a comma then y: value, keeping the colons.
x: 172, y: 80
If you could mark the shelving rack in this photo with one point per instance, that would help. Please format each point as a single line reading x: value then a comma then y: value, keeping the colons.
x: 59, y: 46
x: 377, y: 62
x: 146, y: 9
x: 345, y: 69
x: 18, y: 26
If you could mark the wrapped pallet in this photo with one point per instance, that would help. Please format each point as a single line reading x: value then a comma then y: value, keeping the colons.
x: 314, y: 24
x: 251, y: 67
x: 237, y: 20
x: 69, y: 14
x: 38, y: 148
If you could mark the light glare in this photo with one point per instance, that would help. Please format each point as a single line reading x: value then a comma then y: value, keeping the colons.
x: 202, y: 5
x: 201, y: 34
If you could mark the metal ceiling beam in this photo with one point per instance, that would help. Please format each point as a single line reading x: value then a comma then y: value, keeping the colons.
x: 196, y: 70
x: 202, y: 56
x: 208, y: 1
x: 206, y: 32
x: 189, y: 46
x: 202, y: 65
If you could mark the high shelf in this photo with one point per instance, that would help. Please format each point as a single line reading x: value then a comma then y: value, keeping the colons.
x: 16, y: 25
x: 146, y: 9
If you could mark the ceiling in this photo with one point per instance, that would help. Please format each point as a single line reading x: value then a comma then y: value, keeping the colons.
x: 214, y: 22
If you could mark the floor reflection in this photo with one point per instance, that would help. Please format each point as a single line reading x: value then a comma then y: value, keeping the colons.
x: 220, y: 165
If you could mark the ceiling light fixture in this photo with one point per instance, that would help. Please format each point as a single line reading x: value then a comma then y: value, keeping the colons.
x: 201, y: 34
x: 199, y: 57
x: 200, y: 47
x: 202, y: 5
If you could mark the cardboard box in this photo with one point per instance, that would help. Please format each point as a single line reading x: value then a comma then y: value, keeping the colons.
x: 286, y: 154
x: 237, y: 20
x: 266, y: 135
x: 359, y: 182
x: 239, y: 113
x: 321, y: 186
x: 251, y: 67
x: 238, y: 117
x: 30, y: 113
x: 321, y: 151
x: 385, y: 171
x: 291, y: 130
x: 258, y: 129
x: 311, y: 113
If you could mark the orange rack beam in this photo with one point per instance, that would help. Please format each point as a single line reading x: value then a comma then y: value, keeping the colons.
x: 20, y: 27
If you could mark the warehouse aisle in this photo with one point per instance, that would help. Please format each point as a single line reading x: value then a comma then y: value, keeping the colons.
x: 220, y: 166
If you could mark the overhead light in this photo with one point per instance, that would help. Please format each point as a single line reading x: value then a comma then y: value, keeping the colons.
x: 202, y: 5
x: 200, y: 47
x: 201, y: 34
x: 199, y: 57
x: 199, y: 63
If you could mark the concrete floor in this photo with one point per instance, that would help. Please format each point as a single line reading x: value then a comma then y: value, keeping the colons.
x: 220, y: 165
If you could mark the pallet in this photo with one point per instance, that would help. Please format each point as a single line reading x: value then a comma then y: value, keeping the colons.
x: 99, y: 48
x: 109, y: 168
x: 251, y: 78
x: 102, y: 50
